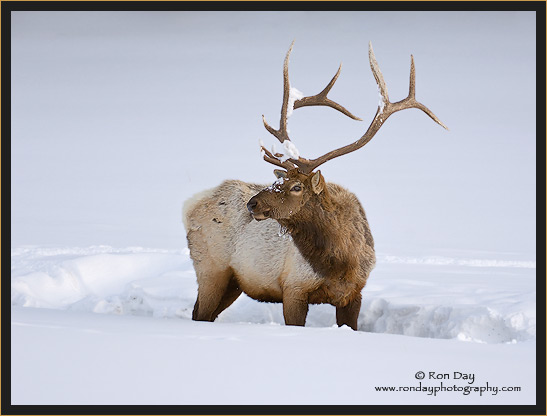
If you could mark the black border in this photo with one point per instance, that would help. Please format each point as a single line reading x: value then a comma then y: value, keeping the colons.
x: 161, y: 5
x: 8, y: 6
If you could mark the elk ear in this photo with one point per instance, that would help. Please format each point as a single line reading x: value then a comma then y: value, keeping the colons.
x: 317, y: 182
x: 280, y: 173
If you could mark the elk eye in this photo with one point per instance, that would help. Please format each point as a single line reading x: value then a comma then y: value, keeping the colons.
x: 296, y: 188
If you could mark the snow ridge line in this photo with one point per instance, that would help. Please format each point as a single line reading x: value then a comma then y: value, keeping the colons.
x: 91, y: 250
x: 449, y: 261
x: 32, y: 251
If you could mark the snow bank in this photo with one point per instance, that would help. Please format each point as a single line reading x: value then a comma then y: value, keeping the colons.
x: 108, y: 280
x: 433, y: 297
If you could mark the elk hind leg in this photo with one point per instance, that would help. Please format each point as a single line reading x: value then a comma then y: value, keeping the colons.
x: 215, y: 293
x: 230, y: 295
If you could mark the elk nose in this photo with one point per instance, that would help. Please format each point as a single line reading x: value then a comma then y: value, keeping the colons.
x: 251, y: 205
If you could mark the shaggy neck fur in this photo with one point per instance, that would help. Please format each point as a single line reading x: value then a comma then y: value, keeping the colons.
x: 315, y: 230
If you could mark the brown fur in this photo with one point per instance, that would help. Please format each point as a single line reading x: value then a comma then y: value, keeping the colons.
x: 327, y: 259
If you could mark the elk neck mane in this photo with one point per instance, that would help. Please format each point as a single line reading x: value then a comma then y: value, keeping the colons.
x: 321, y: 234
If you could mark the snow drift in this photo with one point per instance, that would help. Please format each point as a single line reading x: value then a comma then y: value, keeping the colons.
x: 418, y: 301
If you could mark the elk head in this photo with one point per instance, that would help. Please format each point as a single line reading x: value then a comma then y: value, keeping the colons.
x: 288, y: 194
x: 297, y: 184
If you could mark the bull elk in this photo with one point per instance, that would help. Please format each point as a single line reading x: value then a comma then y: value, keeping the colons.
x: 299, y: 241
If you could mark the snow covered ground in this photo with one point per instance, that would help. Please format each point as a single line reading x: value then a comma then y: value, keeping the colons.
x: 117, y: 118
x: 432, y: 313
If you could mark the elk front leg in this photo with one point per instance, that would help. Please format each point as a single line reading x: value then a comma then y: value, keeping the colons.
x: 295, y: 309
x: 348, y: 314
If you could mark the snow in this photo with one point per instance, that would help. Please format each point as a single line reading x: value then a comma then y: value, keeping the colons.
x: 161, y: 283
x: 294, y: 95
x: 102, y: 359
x: 289, y: 148
x: 289, y: 151
x: 118, y: 118
x: 381, y: 102
x: 145, y: 297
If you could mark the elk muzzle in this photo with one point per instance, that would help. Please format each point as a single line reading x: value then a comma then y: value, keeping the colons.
x: 256, y: 211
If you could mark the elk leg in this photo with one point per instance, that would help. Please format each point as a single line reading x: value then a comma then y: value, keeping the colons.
x: 212, y: 289
x: 295, y: 310
x: 232, y: 293
x: 348, y: 314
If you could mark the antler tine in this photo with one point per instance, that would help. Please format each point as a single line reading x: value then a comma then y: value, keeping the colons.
x: 275, y: 159
x: 385, y: 109
x: 322, y: 99
x: 378, y: 74
x: 282, y: 134
x: 410, y: 101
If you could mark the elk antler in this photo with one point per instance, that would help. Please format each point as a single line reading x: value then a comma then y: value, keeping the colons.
x: 318, y: 99
x: 385, y: 109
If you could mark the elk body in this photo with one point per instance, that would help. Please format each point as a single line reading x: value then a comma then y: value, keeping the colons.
x: 299, y: 241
